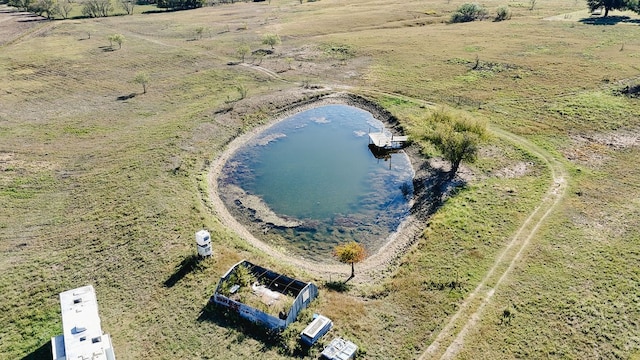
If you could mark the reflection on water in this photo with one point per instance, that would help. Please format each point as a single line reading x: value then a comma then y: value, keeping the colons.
x: 310, y: 182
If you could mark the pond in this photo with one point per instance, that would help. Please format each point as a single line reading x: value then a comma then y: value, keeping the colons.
x: 310, y: 182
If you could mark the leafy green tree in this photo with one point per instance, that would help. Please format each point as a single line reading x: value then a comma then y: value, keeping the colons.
x: 350, y: 253
x: 142, y: 78
x: 180, y: 4
x: 242, y: 51
x: 503, y: 13
x: 46, y: 8
x: 613, y: 5
x: 457, y: 138
x: 468, y: 12
x: 116, y: 38
x: 24, y: 5
x: 271, y: 39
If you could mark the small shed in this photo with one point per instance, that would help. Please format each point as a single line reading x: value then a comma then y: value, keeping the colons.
x: 340, y: 349
x: 315, y: 330
x: 262, y: 295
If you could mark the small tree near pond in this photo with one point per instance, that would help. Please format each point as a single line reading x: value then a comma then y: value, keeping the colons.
x: 350, y: 253
x: 457, y: 138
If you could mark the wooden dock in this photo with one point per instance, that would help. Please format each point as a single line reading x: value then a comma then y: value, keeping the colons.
x: 384, y: 141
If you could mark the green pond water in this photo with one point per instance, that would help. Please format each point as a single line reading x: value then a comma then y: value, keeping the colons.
x: 315, y: 168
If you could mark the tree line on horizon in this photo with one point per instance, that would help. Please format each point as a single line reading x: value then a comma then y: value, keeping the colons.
x: 52, y: 9
x: 62, y: 9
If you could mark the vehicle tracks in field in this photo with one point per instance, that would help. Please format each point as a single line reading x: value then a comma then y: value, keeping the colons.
x: 450, y: 340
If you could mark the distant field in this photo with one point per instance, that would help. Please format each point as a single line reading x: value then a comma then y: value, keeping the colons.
x: 101, y: 184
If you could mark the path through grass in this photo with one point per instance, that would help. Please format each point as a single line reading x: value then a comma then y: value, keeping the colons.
x: 452, y: 336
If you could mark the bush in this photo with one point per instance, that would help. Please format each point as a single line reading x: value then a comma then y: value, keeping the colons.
x: 503, y: 13
x: 180, y: 4
x: 469, y: 12
x: 271, y: 40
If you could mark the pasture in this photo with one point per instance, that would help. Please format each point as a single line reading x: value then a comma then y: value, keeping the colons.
x: 101, y: 184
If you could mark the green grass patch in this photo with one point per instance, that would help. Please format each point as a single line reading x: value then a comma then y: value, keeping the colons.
x: 338, y: 51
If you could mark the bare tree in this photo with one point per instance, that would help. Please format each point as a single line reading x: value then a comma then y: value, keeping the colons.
x: 64, y: 8
x: 127, y: 6
x: 97, y: 8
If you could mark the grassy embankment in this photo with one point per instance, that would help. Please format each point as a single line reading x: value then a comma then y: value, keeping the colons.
x: 110, y: 192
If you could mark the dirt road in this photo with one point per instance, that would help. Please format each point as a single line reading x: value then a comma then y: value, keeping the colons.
x: 451, y: 338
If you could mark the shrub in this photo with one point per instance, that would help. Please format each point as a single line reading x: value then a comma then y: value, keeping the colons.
x: 115, y: 38
x: 271, y: 40
x: 469, y: 12
x: 503, y: 13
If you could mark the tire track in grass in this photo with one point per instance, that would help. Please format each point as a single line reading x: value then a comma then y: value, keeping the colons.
x: 451, y: 337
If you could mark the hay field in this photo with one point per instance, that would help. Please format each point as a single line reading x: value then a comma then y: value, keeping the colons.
x: 101, y: 184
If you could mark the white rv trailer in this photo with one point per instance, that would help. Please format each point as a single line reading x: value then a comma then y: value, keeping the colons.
x: 82, y: 336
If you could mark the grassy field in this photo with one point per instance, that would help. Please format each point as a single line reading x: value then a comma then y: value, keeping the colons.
x: 101, y: 184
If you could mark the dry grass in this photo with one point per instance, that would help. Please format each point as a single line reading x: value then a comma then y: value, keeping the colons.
x: 109, y: 192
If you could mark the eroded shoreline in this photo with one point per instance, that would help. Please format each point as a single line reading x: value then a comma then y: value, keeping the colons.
x: 375, y: 265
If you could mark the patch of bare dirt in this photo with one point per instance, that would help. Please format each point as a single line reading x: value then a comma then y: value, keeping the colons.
x: 517, y: 170
x: 15, y: 23
x: 616, y: 140
x: 572, y: 16
x: 9, y: 161
x: 591, y: 149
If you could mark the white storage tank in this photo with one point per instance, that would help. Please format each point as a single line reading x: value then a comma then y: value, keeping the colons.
x: 203, y: 240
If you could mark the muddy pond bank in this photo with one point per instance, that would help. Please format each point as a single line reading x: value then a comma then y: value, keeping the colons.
x: 427, y: 184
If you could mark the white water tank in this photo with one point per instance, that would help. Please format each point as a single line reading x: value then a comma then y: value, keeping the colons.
x: 203, y: 240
